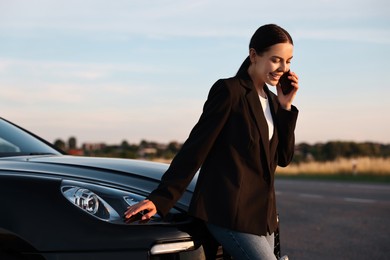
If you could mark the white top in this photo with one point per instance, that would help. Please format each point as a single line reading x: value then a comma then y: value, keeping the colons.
x: 267, y: 113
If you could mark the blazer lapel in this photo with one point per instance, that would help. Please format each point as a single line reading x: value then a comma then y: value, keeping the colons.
x: 275, y: 140
x: 259, y: 118
x: 273, y: 107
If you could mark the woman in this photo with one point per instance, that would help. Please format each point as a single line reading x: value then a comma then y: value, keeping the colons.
x: 244, y: 132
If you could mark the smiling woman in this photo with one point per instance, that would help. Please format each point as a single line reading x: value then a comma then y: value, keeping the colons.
x: 244, y: 132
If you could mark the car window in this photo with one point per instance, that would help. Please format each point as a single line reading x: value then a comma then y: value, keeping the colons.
x: 6, y: 147
x: 15, y: 141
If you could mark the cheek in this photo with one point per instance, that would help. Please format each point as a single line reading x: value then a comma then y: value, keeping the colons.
x: 272, y: 67
x: 261, y: 72
x: 262, y: 68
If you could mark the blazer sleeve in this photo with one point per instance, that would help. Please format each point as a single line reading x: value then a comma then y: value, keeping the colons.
x: 188, y: 160
x: 286, y: 127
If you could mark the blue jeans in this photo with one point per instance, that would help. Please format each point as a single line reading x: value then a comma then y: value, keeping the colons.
x: 243, y: 245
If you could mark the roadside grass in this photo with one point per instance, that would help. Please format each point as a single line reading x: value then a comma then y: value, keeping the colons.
x: 371, y: 178
x: 363, y: 169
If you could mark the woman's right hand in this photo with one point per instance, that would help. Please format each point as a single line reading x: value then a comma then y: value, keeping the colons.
x: 287, y: 100
x: 146, y: 205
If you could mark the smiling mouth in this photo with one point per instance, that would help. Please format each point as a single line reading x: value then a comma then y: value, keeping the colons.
x: 273, y: 76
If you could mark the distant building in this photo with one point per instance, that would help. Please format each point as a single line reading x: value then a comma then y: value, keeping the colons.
x: 78, y: 152
x: 90, y: 147
x: 144, y: 152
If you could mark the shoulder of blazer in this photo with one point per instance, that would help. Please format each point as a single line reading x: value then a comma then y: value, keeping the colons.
x: 238, y: 84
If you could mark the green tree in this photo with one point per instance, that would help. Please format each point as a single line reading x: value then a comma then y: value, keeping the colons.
x: 60, y: 144
x: 72, y: 143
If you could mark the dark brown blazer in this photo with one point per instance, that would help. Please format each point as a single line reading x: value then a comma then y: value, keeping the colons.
x: 230, y: 143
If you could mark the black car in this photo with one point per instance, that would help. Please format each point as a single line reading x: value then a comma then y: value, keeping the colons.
x: 57, y: 206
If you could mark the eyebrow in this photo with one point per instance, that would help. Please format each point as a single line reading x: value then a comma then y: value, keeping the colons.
x: 281, y: 57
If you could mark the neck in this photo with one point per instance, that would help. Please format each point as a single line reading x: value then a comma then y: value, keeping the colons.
x: 261, y: 92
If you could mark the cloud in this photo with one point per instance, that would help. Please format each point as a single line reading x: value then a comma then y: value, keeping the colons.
x: 89, y: 68
x: 136, y: 75
x: 145, y: 66
x: 52, y: 87
x: 380, y: 36
x: 42, y: 94
x: 170, y: 18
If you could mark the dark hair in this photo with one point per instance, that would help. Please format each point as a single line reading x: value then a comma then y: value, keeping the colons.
x: 262, y: 40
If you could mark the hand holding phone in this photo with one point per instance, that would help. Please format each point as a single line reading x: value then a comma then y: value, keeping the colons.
x: 285, y: 83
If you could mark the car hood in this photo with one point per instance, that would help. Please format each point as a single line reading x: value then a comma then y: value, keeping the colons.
x: 75, y: 165
x: 147, y: 169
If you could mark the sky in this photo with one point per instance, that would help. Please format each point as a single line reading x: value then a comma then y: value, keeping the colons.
x: 109, y: 71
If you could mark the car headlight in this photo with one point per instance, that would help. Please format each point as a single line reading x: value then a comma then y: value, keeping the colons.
x: 85, y: 199
x: 107, y: 203
x: 90, y: 202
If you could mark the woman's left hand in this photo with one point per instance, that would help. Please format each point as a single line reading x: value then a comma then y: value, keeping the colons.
x: 287, y: 100
x: 146, y: 206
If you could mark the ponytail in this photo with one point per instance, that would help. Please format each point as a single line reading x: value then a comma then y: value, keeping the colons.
x: 244, y: 66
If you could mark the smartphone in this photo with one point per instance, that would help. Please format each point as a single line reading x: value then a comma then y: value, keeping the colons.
x: 285, y: 83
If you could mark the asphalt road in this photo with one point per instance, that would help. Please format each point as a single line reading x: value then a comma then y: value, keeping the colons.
x: 333, y: 220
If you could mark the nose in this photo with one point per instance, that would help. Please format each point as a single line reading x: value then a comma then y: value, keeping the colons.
x: 284, y: 67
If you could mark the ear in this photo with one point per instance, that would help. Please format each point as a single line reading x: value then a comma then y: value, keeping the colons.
x: 252, y: 55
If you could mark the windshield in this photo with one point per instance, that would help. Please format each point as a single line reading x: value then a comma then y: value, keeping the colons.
x: 15, y: 141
